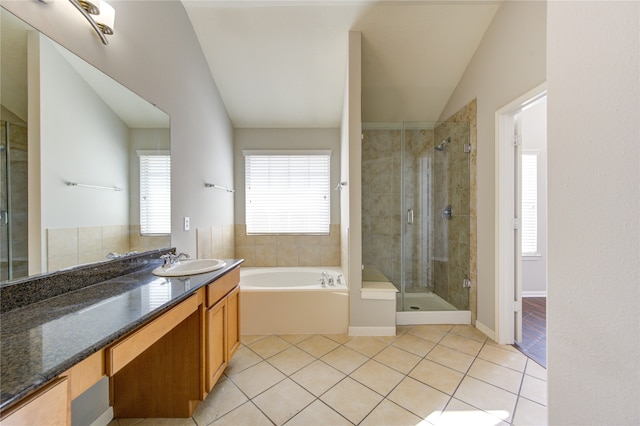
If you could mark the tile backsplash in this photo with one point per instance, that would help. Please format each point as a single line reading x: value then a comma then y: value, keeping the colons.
x: 288, y: 250
x: 76, y: 246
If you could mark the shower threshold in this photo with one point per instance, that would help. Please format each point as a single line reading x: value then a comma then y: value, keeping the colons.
x: 429, y: 308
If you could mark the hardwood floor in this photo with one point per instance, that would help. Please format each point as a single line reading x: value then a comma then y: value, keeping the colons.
x: 534, y: 329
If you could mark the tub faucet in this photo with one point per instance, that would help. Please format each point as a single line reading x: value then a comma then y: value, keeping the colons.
x: 324, y: 278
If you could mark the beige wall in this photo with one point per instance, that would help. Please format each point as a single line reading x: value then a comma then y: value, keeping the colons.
x: 594, y: 251
x: 510, y: 61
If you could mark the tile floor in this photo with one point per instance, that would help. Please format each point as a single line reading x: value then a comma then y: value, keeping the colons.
x: 426, y: 375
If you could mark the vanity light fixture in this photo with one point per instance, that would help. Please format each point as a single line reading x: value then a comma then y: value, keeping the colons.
x: 100, y: 14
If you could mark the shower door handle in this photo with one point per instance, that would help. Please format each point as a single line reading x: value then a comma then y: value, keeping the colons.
x: 4, y: 218
x: 410, y: 216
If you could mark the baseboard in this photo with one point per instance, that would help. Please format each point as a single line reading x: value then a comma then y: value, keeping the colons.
x: 486, y: 331
x: 534, y: 294
x: 372, y: 331
x: 104, y: 419
x: 434, y: 317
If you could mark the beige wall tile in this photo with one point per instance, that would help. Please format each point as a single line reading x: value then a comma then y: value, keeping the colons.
x: 62, y: 242
x: 57, y: 263
x: 203, y: 243
x: 330, y: 256
x: 248, y: 253
x: 266, y: 255
x: 89, y: 239
x: 309, y: 255
x: 288, y: 255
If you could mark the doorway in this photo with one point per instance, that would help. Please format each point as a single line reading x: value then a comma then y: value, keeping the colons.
x: 521, y: 219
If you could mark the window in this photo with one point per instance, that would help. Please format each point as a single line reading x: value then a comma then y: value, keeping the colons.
x: 530, y: 203
x: 287, y: 192
x: 155, y: 192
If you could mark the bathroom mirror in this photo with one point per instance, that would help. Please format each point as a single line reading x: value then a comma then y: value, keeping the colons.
x: 69, y: 159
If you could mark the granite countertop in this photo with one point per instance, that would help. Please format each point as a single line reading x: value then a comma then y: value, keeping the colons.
x: 43, y: 339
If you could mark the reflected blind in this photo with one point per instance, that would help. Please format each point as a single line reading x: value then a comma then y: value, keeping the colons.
x: 287, y: 193
x: 529, y: 204
x: 155, y: 194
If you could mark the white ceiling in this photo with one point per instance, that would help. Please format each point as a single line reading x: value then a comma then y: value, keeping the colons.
x: 283, y: 63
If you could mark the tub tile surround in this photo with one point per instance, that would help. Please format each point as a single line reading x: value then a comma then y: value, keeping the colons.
x: 215, y: 242
x: 76, y: 246
x: 288, y: 250
x: 306, y: 379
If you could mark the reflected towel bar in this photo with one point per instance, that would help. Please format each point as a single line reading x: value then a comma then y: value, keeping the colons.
x: 212, y: 185
x: 113, y: 188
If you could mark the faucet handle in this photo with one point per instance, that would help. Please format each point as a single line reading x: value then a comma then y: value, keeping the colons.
x: 339, y: 279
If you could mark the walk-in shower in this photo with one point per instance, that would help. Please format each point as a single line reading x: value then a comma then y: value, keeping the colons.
x: 415, y: 214
x: 13, y: 200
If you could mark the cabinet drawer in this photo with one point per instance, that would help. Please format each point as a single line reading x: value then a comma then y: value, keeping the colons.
x: 220, y: 287
x: 48, y: 406
x: 133, y: 345
x: 85, y: 374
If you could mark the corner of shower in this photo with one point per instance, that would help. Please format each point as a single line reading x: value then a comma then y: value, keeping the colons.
x: 415, y: 216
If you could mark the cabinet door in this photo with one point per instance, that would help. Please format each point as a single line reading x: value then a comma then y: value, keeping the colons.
x: 49, y: 406
x: 233, y: 323
x: 216, y: 343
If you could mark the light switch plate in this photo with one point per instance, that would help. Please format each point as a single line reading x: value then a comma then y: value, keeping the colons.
x: 186, y: 223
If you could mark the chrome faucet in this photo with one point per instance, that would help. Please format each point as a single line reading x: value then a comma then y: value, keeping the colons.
x: 324, y: 278
x: 172, y: 259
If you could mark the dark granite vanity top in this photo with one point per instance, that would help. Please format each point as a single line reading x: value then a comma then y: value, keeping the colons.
x: 43, y: 339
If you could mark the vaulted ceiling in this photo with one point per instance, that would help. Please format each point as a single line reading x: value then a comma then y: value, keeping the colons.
x: 283, y: 63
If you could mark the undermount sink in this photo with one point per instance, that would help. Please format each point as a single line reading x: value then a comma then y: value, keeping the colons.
x: 189, y: 267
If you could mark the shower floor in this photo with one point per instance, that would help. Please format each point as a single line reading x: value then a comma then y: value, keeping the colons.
x: 416, y: 302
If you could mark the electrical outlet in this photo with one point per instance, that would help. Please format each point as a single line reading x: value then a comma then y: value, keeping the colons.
x: 186, y: 223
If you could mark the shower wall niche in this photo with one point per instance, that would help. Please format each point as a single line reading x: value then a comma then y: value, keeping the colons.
x: 415, y: 218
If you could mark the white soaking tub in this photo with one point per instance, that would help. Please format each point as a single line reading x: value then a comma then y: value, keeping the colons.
x: 291, y: 300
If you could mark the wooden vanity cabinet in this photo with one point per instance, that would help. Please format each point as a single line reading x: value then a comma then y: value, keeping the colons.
x: 50, y: 405
x: 222, y: 326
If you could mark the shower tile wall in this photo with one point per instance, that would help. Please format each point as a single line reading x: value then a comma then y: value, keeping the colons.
x: 452, y: 263
x: 468, y: 115
x: 381, y: 201
x: 422, y: 241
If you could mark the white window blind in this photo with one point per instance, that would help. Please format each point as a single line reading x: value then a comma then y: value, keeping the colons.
x: 529, y: 203
x: 287, y: 193
x: 155, y: 193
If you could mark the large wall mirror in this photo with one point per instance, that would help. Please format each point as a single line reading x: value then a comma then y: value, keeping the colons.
x: 69, y: 160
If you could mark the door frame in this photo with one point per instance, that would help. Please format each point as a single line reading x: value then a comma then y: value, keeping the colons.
x: 505, y: 201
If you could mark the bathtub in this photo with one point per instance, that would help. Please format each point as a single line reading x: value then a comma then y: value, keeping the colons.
x: 280, y: 300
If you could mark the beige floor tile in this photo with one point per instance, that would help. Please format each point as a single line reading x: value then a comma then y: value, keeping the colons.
x: 224, y: 398
x: 438, y: 376
x: 255, y: 380
x: 420, y: 399
x: 497, y: 402
x: 387, y: 339
x: 165, y: 422
x: 248, y: 339
x: 340, y: 338
x: 351, y: 399
x: 528, y: 413
x: 291, y: 360
x: 536, y: 370
x: 505, y: 357
x: 398, y: 359
x: 387, y: 413
x: 318, y: 414
x: 366, y: 345
x: 462, y: 344
x: 469, y: 331
x: 414, y: 344
x: 402, y: 329
x: 243, y: 359
x: 294, y: 339
x: 451, y: 358
x: 318, y: 377
x: 318, y: 345
x: 458, y: 413
x: 269, y: 346
x: 344, y: 359
x: 496, y: 375
x: 378, y: 377
x: 534, y: 389
x: 434, y: 333
x: 246, y: 414
x: 509, y: 348
x: 283, y: 401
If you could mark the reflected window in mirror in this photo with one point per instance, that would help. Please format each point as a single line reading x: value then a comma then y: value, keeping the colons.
x: 155, y: 193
